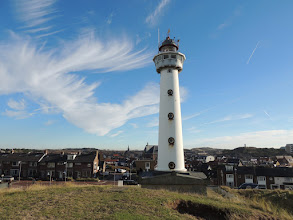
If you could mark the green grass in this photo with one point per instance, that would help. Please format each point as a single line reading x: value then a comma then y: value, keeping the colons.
x: 108, y: 202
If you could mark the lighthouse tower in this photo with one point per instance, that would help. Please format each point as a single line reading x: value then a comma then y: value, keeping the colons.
x: 169, y: 63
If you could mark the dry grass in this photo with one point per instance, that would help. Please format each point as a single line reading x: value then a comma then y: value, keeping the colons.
x: 273, y: 202
x: 72, y: 201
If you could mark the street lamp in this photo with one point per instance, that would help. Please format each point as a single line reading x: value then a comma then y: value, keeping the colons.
x: 65, y: 172
x: 130, y: 166
x: 19, y: 164
x: 114, y: 173
x: 235, y: 176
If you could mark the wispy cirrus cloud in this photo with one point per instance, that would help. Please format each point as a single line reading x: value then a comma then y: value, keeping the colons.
x: 231, y: 118
x: 229, y: 21
x: 17, y: 109
x: 35, y: 14
x: 144, y: 37
x: 152, y: 18
x: 191, y: 116
x: 49, y: 122
x: 153, y: 122
x: 46, y: 77
x: 223, y: 25
x: 110, y: 18
x: 17, y: 105
x: 196, y: 114
x: 17, y: 114
x: 116, y: 134
x: 267, y: 138
x: 193, y: 130
x: 134, y: 125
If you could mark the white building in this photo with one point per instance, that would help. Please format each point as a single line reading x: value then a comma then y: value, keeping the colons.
x: 230, y: 180
x: 262, y: 182
x: 209, y: 159
x: 169, y: 63
x: 287, y: 182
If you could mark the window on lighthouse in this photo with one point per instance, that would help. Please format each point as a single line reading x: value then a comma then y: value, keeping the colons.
x: 166, y: 49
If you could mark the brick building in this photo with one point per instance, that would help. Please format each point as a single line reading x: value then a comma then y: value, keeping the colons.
x: 27, y: 164
x: 265, y: 177
x: 50, y: 165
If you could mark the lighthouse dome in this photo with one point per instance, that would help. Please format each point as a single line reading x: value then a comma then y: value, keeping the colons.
x: 168, y: 45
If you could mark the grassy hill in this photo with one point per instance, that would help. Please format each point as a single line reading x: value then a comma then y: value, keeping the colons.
x: 108, y: 202
x: 249, y: 152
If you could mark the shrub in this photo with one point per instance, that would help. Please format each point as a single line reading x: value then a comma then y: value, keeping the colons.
x: 69, y: 179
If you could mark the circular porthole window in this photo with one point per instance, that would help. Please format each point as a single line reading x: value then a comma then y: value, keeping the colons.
x: 171, y: 165
x: 170, y: 92
x: 171, y: 140
x: 169, y: 70
x: 170, y: 116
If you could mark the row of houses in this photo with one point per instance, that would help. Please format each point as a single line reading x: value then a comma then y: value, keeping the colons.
x: 50, y: 165
x: 233, y: 173
x: 221, y: 170
x: 274, y: 161
x: 265, y: 177
x: 268, y: 173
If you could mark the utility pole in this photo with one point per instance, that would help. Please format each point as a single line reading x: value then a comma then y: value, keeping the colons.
x: 114, y: 173
x: 235, y: 169
x: 19, y: 164
x: 130, y: 166
x: 65, y: 170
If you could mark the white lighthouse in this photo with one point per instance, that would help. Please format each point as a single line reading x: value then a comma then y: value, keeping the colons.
x: 169, y: 63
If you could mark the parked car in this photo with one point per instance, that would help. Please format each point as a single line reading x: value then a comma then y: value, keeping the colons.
x: 121, y: 170
x: 248, y: 186
x: 129, y: 182
x: 7, y: 178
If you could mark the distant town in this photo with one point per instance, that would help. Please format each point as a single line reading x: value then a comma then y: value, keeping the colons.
x: 268, y: 168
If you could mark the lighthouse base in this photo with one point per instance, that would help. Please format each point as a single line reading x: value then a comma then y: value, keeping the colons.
x: 195, y: 182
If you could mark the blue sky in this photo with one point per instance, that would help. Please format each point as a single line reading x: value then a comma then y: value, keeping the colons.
x: 80, y: 73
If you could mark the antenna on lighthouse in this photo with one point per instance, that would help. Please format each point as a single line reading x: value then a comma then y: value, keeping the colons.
x: 158, y: 37
x: 168, y: 33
